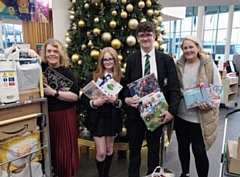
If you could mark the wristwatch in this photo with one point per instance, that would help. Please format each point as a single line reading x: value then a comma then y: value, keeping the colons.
x: 56, y: 94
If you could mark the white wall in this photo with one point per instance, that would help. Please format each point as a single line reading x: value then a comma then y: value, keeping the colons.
x: 61, y: 20
x: 173, y: 13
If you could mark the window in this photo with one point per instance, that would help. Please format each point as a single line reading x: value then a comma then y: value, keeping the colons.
x: 11, y: 33
x: 214, y: 32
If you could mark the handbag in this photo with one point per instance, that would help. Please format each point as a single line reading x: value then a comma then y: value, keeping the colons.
x: 161, y: 173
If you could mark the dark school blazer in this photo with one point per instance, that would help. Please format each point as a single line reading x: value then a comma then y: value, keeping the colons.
x: 92, y: 114
x: 167, y: 80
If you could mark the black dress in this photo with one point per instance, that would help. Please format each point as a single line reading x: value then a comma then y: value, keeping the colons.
x: 106, y: 120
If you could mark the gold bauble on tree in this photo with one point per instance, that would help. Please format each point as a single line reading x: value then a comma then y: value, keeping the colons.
x: 114, y: 13
x: 156, y: 45
x: 74, y: 28
x: 67, y: 34
x: 80, y: 62
x: 112, y: 24
x: 73, y: 1
x: 123, y: 132
x: 164, y: 32
x: 81, y: 128
x: 132, y: 24
x: 123, y: 1
x: 113, y: 1
x: 95, y: 54
x: 90, y: 44
x: 150, y: 12
x: 159, y: 40
x: 71, y: 12
x: 158, y: 29
x: 155, y: 22
x: 159, y: 19
x: 116, y: 43
x: 143, y: 20
x: 86, y: 6
x: 124, y: 65
x: 131, y: 40
x: 68, y: 40
x: 120, y: 57
x: 96, y: 31
x: 81, y: 23
x: 141, y: 4
x: 75, y: 57
x: 123, y: 70
x: 106, y: 37
x: 88, y: 34
x: 71, y: 17
x: 129, y: 7
x: 123, y: 14
x: 156, y: 12
x: 96, y: 20
x: 83, y: 47
x: 148, y: 3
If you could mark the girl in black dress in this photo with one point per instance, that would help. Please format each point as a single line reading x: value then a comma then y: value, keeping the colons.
x: 104, y: 117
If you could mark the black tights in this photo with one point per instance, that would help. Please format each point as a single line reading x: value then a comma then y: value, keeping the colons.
x: 190, y: 133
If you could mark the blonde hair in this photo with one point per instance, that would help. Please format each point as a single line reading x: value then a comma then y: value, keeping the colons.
x: 196, y: 41
x: 100, y: 71
x: 64, y: 60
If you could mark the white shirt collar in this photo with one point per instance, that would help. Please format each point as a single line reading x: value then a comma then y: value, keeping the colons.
x: 151, y: 53
x: 106, y: 73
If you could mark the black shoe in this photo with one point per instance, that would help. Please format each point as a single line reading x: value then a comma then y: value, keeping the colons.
x: 184, y: 175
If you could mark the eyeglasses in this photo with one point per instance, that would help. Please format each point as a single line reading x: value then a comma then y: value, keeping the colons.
x: 107, y: 60
x: 142, y: 36
x: 52, y: 51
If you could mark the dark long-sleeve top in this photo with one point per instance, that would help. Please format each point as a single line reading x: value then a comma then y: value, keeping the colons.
x: 54, y: 104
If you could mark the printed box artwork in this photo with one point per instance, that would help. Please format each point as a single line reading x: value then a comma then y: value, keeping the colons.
x: 152, y: 101
x: 209, y: 94
x: 193, y: 96
x: 206, y: 93
x: 93, y: 91
x: 56, y: 80
x: 111, y: 87
x: 216, y: 94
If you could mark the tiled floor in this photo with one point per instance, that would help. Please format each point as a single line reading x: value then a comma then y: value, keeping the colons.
x: 120, y: 166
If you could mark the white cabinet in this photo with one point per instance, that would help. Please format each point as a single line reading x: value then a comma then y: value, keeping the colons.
x: 230, y: 88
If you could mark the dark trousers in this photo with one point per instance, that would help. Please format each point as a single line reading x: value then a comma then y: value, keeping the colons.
x: 190, y: 133
x: 136, y: 132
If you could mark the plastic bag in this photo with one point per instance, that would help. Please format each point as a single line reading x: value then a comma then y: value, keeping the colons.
x: 28, y: 74
x: 161, y: 173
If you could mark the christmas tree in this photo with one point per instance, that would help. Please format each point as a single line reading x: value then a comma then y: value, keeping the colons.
x: 96, y: 24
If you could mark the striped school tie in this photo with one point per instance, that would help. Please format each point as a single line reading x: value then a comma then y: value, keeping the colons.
x: 147, y: 65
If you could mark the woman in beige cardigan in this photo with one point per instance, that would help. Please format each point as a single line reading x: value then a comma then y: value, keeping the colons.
x: 196, y: 126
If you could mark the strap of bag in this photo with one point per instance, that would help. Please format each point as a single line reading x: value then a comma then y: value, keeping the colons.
x: 158, y: 173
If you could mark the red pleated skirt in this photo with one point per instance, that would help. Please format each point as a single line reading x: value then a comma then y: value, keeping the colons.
x: 64, y: 145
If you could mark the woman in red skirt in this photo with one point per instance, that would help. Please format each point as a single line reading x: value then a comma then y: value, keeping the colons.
x: 61, y: 90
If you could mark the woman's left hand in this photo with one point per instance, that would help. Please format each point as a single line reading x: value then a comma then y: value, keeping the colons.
x: 113, y: 99
x: 205, y: 107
